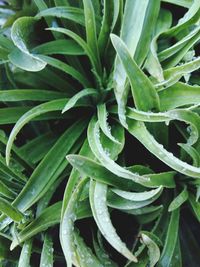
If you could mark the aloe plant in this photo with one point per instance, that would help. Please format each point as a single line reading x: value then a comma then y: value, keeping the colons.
x: 100, y: 128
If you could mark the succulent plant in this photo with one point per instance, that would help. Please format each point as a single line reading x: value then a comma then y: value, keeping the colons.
x: 99, y: 141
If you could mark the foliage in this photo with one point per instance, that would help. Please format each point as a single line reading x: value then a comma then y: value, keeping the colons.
x: 103, y: 98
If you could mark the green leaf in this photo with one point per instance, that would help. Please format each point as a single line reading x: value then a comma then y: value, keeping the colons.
x: 152, y: 63
x: 74, y: 176
x: 190, y: 18
x: 106, y: 27
x: 62, y: 46
x: 72, y: 13
x: 102, y: 118
x: 25, y: 61
x: 30, y: 95
x: 103, y: 157
x: 150, y: 217
x: 174, y: 74
x: 184, y: 115
x: 175, y: 53
x: 137, y: 196
x: 148, y: 29
x: 132, y: 24
x: 37, y: 148
x: 101, y: 215
x: 22, y: 38
x: 81, y: 42
x: 153, y: 249
x: 101, y: 253
x: 69, y: 191
x: 40, y: 4
x: 192, y: 152
x: 74, y: 169
x: 179, y: 200
x: 96, y: 171
x: 67, y: 225
x: 179, y: 94
x: 122, y: 203
x: 195, y: 205
x: 12, y: 115
x: 84, y: 254
x: 12, y: 172
x: 170, y: 240
x: 49, y: 217
x: 91, y: 34
x: 139, y: 130
x: 47, y: 252
x: 109, y: 163
x: 36, y: 111
x: 84, y: 210
x: 44, y: 201
x: 56, y: 63
x: 9, y: 210
x: 6, y: 191
x: 54, y: 163
x: 82, y: 94
x: 144, y: 100
x: 21, y: 33
x: 144, y: 210
x: 6, y: 43
x: 25, y: 255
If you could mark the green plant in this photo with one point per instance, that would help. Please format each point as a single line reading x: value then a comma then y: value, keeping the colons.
x: 88, y: 85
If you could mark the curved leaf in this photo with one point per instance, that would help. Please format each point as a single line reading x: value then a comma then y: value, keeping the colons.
x: 174, y: 74
x: 101, y: 215
x: 137, y: 196
x: 132, y: 24
x: 152, y: 63
x: 148, y: 29
x: 138, y: 130
x: 67, y: 225
x: 25, y: 61
x: 179, y: 94
x: 102, y: 118
x: 64, y: 12
x: 144, y: 100
x: 190, y: 17
x: 184, y: 115
x: 153, y: 249
x: 36, y: 111
x: 122, y: 203
x: 179, y: 200
x: 81, y: 42
x: 106, y: 161
x: 20, y: 34
x: 82, y: 94
x: 94, y: 170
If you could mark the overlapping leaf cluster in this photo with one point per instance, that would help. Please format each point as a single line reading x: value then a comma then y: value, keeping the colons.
x: 78, y: 78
